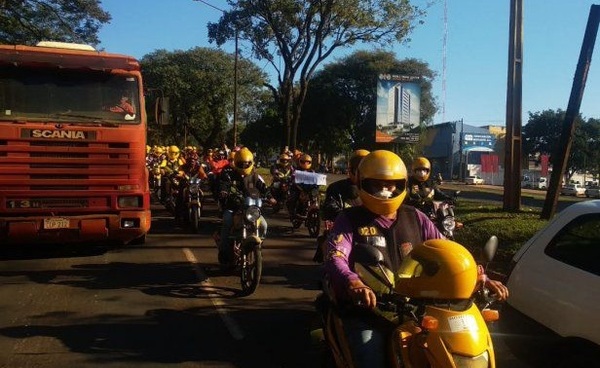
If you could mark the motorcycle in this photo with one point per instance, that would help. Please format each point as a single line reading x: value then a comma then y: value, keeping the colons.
x: 194, y: 196
x: 174, y: 195
x: 431, y: 308
x: 308, y: 212
x: 280, y: 191
x: 155, y: 178
x: 247, y: 242
x: 441, y: 213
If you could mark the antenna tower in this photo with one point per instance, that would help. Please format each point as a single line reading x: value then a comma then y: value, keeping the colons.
x: 444, y: 60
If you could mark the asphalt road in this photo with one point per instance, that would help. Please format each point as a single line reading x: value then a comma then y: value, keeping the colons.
x: 163, y: 304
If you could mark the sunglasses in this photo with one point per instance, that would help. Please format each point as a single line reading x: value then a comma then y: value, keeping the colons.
x: 305, y: 162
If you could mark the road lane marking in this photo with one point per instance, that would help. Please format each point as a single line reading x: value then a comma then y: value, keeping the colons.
x: 232, y: 326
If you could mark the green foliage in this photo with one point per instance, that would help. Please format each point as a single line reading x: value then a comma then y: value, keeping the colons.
x: 200, y: 85
x: 339, y: 112
x: 30, y: 21
x: 542, y: 134
x: 480, y: 221
x: 296, y: 36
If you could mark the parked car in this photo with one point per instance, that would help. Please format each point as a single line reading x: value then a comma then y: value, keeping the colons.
x: 537, y: 183
x: 592, y: 191
x: 555, y: 291
x: 573, y: 190
x: 474, y: 179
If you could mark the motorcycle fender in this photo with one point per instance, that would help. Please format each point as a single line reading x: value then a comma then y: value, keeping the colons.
x: 406, y: 345
x: 251, y: 242
x: 460, y: 332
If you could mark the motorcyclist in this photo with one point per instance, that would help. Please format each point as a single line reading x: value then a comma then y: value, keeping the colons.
x: 169, y: 168
x: 235, y: 182
x: 217, y: 161
x: 422, y: 189
x: 340, y: 194
x: 382, y: 178
x: 344, y: 191
x: 304, y: 164
x: 282, y: 171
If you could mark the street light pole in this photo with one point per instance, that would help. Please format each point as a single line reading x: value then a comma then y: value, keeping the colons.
x: 235, y: 90
x: 235, y: 76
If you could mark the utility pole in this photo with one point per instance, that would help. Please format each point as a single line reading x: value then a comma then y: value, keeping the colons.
x: 559, y: 159
x: 235, y: 90
x: 235, y: 75
x: 512, y: 158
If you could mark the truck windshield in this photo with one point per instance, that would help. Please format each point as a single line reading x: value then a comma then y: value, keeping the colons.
x: 69, y: 95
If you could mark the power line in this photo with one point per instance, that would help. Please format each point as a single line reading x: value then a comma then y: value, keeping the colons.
x: 211, y: 5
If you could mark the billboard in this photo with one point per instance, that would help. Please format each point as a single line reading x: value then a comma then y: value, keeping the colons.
x: 398, y: 103
x: 478, y: 142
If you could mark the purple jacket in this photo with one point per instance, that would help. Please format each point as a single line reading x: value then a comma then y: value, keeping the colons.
x: 339, y: 246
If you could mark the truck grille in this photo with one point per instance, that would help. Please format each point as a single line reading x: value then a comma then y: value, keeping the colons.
x: 57, y: 174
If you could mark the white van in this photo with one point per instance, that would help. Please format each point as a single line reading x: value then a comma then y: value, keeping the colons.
x: 537, y: 183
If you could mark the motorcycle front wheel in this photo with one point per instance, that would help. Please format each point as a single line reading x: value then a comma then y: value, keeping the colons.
x: 313, y: 222
x: 251, y: 270
x: 195, y: 213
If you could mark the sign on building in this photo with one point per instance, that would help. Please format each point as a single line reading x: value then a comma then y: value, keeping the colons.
x: 478, y: 142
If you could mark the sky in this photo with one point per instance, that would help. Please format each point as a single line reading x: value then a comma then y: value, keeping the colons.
x: 476, y: 49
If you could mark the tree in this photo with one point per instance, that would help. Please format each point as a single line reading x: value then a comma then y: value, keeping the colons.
x: 541, y: 135
x: 30, y: 21
x: 296, y: 36
x: 199, y: 83
x: 341, y: 100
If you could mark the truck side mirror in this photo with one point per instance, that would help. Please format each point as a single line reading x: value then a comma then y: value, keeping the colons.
x: 161, y: 111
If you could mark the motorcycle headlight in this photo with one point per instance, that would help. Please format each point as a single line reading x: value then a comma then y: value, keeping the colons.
x: 252, y: 213
x: 480, y: 361
x: 449, y: 224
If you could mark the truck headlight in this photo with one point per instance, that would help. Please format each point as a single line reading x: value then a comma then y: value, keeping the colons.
x: 130, y: 201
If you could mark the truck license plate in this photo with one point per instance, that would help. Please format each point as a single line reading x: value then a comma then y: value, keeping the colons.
x: 56, y: 223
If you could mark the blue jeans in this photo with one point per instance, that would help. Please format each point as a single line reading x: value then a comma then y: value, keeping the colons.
x: 367, y: 343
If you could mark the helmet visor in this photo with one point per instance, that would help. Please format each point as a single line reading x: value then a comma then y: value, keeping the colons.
x: 243, y: 164
x: 384, y: 189
x: 421, y: 173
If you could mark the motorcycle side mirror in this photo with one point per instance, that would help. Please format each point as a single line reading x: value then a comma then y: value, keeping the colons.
x: 490, y: 248
x: 367, y: 255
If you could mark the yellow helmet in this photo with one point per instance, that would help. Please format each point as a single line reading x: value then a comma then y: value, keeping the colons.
x: 284, y: 160
x: 148, y: 149
x: 173, y: 152
x: 158, y: 151
x: 305, y: 162
x: 355, y: 160
x: 421, y: 168
x: 377, y: 166
x: 442, y: 269
x: 243, y: 161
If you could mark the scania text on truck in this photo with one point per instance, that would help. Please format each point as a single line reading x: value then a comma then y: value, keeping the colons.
x: 72, y: 146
